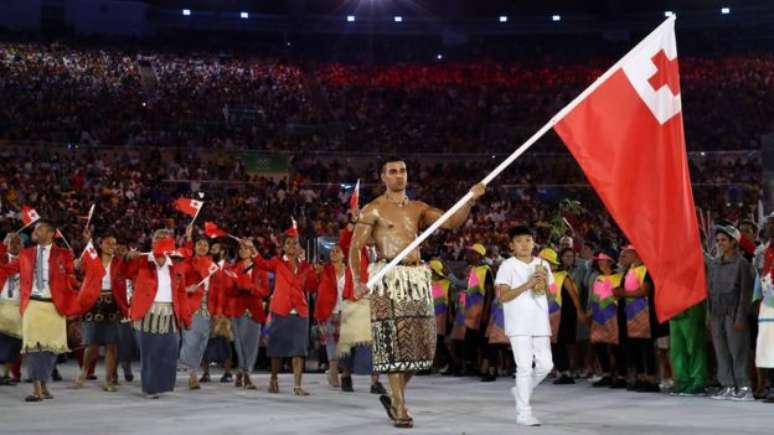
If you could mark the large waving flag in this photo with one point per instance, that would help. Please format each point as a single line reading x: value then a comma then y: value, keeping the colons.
x: 626, y: 132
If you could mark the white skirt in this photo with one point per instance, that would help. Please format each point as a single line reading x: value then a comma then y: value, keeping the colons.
x: 764, y: 352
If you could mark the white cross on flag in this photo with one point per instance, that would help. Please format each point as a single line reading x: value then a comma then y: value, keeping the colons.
x: 626, y: 132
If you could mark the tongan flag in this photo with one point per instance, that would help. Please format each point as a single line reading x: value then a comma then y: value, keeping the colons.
x: 212, y: 230
x: 29, y: 216
x: 354, y: 199
x: 188, y: 206
x: 626, y: 132
x: 93, y: 272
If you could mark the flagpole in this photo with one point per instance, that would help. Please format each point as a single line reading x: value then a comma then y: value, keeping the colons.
x: 197, y: 214
x: 91, y: 213
x: 24, y: 227
x: 516, y: 154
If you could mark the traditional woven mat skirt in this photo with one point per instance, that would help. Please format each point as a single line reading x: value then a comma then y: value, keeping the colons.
x: 402, y: 320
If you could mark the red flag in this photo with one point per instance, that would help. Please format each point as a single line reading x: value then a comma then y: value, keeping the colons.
x: 29, y: 216
x: 293, y: 230
x: 188, y: 206
x: 354, y: 199
x: 626, y: 132
x: 93, y: 272
x: 212, y: 230
x: 163, y: 246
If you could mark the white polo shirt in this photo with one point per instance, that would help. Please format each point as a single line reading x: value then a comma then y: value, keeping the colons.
x: 528, y: 313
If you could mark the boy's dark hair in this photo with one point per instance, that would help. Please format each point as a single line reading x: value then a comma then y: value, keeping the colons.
x: 520, y: 230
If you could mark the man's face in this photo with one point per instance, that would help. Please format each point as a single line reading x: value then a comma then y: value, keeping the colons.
x: 395, y: 176
x: 725, y: 243
x: 108, y: 245
x: 13, y: 243
x: 522, y: 246
x: 42, y: 234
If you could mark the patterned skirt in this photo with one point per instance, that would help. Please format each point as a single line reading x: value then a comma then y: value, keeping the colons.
x: 402, y: 320
x: 158, y: 341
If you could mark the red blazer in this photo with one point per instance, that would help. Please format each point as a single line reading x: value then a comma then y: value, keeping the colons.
x: 201, y: 266
x: 61, y: 278
x: 328, y: 289
x: 289, y: 288
x: 345, y: 241
x: 246, y: 290
x: 145, y: 282
x: 3, y: 261
x: 117, y: 284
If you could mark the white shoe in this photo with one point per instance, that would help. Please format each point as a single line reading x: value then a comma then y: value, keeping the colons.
x: 527, y: 420
x: 743, y: 394
x: 724, y: 394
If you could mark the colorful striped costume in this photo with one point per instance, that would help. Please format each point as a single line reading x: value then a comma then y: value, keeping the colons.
x: 604, y: 309
x: 637, y: 308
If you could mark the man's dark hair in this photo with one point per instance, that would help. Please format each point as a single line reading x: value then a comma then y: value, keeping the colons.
x: 389, y: 159
x: 47, y: 223
x: 520, y: 230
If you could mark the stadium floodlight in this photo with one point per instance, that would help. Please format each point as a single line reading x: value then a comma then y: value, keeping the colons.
x: 725, y: 11
x: 668, y: 14
x: 351, y: 18
x: 244, y: 15
x: 439, y: 56
x: 556, y: 18
x: 186, y: 12
x: 503, y: 19
x: 397, y: 19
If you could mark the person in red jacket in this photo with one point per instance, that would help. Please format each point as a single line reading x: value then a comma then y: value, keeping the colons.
x: 327, y: 309
x: 159, y: 308
x: 289, y: 307
x: 204, y: 303
x: 47, y: 296
x: 354, y: 348
x: 100, y: 323
x: 10, y: 318
x: 245, y: 291
x: 219, y: 344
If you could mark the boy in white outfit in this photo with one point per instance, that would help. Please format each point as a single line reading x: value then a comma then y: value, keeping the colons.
x: 522, y: 282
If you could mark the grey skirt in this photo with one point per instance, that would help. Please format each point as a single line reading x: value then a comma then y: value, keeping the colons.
x: 288, y: 336
x: 99, y: 333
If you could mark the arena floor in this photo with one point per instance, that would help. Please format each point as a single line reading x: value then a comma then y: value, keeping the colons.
x: 440, y: 405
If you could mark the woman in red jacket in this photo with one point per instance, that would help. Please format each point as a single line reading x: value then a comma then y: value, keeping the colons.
x: 105, y: 310
x: 327, y: 309
x: 159, y: 309
x: 203, y: 303
x: 289, y: 306
x: 246, y: 290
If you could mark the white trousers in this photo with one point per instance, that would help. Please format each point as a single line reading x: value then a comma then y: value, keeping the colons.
x: 526, y: 351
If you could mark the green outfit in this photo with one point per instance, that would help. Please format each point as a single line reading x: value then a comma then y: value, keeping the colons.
x: 688, y: 349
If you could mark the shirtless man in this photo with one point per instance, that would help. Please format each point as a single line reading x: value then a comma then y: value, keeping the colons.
x: 402, y: 315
